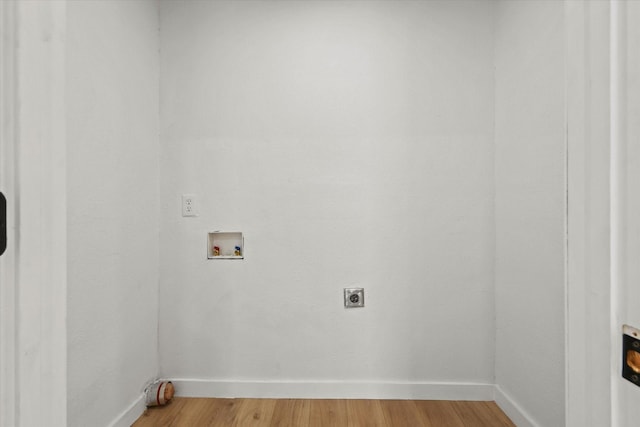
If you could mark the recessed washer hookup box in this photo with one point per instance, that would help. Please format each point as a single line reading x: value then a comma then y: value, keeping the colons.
x: 225, y: 245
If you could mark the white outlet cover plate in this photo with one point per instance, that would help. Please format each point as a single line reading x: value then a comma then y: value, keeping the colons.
x: 190, y: 205
x: 353, y: 297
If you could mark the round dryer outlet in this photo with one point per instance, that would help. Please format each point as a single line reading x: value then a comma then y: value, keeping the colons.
x: 353, y: 297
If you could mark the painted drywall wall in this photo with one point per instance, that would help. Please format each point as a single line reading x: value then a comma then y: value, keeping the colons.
x: 352, y: 144
x: 530, y: 207
x: 113, y: 203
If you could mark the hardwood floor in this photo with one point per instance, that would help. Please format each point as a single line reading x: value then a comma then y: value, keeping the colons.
x: 196, y: 412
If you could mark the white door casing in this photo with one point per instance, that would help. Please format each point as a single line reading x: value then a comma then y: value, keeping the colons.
x: 33, y: 278
x: 8, y: 103
x: 625, y: 196
x: 603, y: 262
x: 587, y: 338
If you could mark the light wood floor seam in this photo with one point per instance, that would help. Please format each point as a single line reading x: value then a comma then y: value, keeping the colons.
x: 197, y: 412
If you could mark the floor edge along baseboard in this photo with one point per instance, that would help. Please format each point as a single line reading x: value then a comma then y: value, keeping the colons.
x: 333, y: 390
x: 513, y: 410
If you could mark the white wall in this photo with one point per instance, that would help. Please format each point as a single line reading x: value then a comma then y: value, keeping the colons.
x: 352, y: 143
x: 113, y: 204
x: 530, y: 207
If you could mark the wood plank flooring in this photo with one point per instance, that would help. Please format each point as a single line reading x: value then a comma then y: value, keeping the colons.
x: 196, y: 412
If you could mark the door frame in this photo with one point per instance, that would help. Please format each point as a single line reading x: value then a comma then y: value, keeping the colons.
x: 596, y: 169
x: 33, y: 323
x: 8, y: 106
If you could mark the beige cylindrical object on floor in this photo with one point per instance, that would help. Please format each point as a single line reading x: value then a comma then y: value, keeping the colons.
x: 159, y: 393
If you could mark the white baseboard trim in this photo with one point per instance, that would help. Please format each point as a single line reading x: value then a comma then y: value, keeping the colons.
x: 514, y: 411
x: 131, y: 414
x: 188, y: 387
